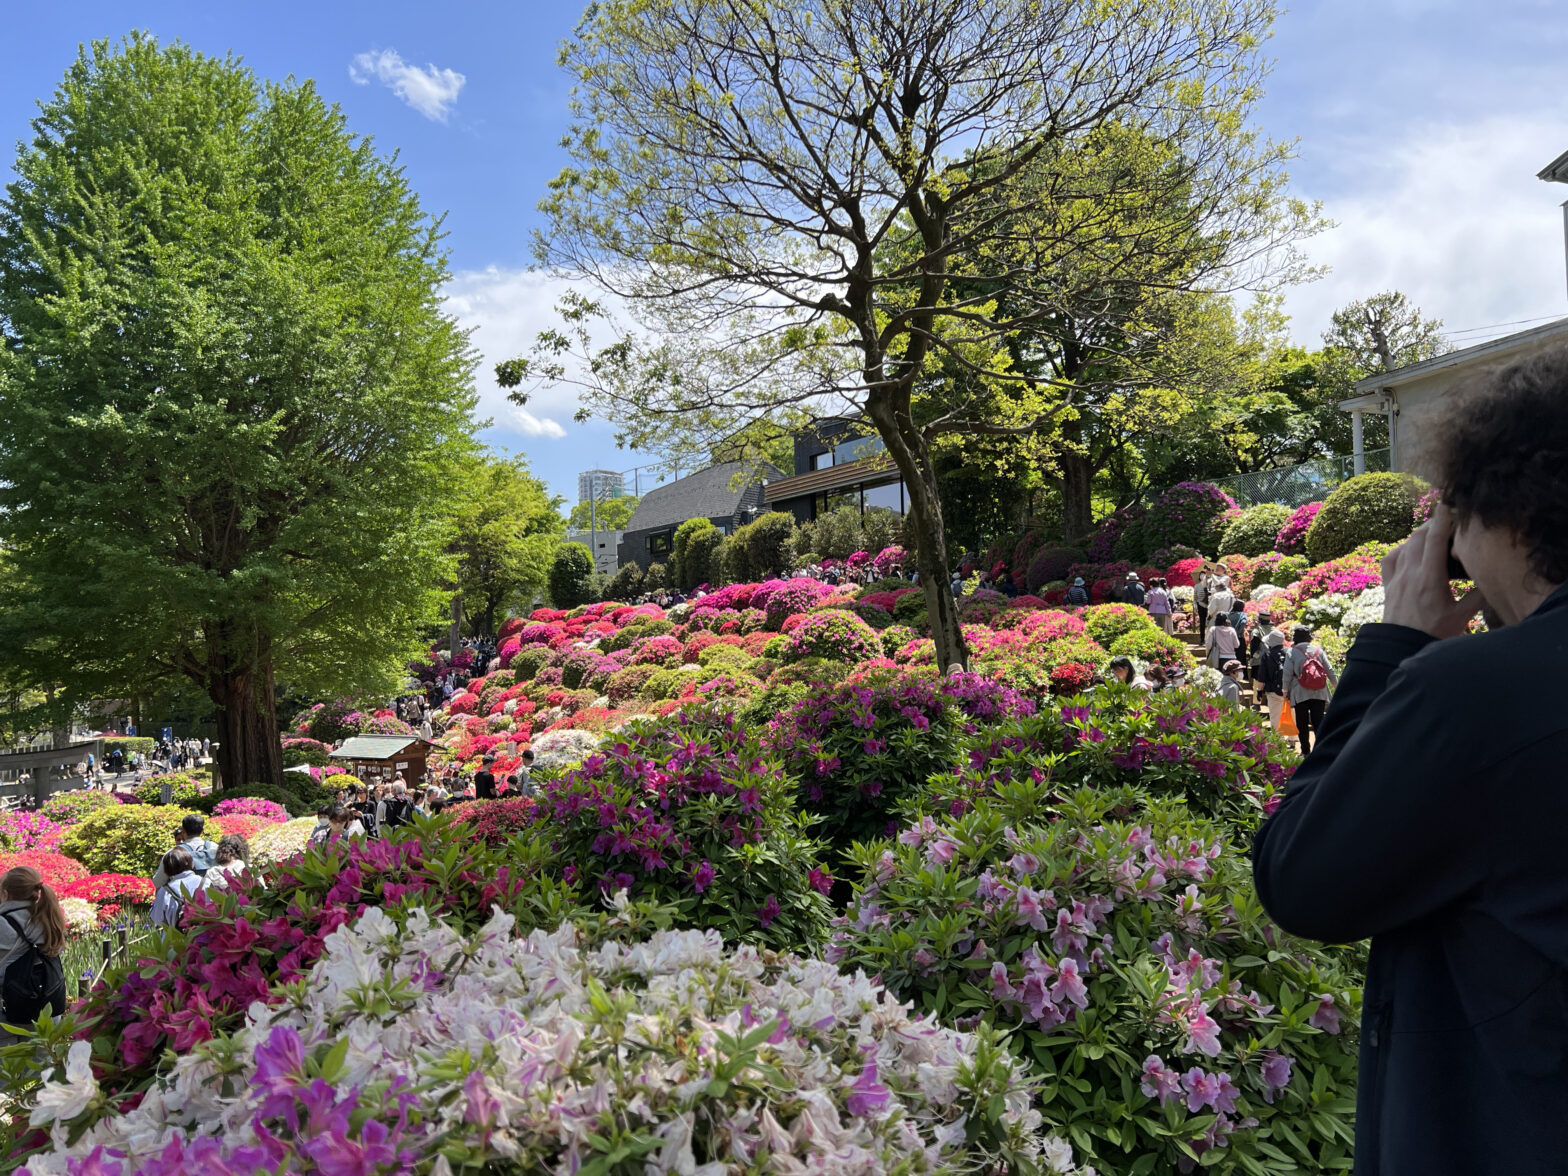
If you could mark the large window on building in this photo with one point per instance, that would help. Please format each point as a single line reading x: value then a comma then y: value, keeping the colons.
x: 860, y: 447
x: 889, y: 497
x: 822, y: 461
x: 659, y: 544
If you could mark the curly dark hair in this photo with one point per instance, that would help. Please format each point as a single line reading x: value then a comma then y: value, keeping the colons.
x: 1502, y: 457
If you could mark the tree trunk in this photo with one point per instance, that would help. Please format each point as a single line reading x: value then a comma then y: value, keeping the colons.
x: 248, y: 750
x: 59, y: 731
x: 910, y: 453
x: 1077, y: 496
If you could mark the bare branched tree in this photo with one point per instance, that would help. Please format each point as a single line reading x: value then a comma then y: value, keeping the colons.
x: 806, y: 209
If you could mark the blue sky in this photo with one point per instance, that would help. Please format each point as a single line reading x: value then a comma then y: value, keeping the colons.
x: 1421, y: 125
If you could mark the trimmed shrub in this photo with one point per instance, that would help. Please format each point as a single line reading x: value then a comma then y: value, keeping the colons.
x: 1253, y: 532
x: 1191, y: 513
x: 626, y: 584
x: 911, y: 610
x: 681, y: 570
x: 1374, y: 508
x: 140, y: 744
x: 185, y: 789
x: 496, y: 822
x: 126, y: 839
x: 1153, y: 646
x: 1049, y: 565
x: 1106, y: 622
x: 765, y: 543
x: 66, y: 808
x: 627, y: 684
x: 838, y: 636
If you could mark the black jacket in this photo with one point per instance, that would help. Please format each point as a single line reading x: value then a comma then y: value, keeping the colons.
x: 1431, y: 816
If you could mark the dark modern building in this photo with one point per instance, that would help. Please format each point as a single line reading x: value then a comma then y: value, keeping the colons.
x: 715, y: 494
x: 837, y: 465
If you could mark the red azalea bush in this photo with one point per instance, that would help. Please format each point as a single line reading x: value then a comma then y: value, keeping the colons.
x: 56, y: 869
x: 495, y: 822
x: 779, y: 599
x: 118, y: 890
x: 238, y: 825
x: 1071, y: 678
x: 462, y: 704
x: 664, y: 651
x: 1183, y: 573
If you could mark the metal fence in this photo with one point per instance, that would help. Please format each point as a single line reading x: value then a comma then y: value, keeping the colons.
x: 1300, y: 484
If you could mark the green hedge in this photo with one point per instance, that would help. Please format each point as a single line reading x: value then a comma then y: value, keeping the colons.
x: 1254, y: 532
x: 140, y: 744
x: 1372, y: 508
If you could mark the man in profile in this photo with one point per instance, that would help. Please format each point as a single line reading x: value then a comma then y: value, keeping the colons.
x: 1430, y: 814
x: 484, y: 780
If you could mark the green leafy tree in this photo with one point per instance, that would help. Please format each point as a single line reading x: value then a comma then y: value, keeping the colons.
x: 608, y: 514
x: 571, y: 576
x: 507, y: 529
x: 784, y: 197
x: 231, y: 407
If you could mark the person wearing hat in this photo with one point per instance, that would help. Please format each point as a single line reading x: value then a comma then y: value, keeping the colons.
x: 1078, y: 595
x: 1230, y: 682
x: 1266, y: 655
x: 1134, y: 593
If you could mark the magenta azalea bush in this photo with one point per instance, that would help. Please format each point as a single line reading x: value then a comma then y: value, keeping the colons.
x: 1189, y: 514
x: 691, y: 812
x: 251, y: 806
x: 780, y: 599
x: 1292, y: 537
x: 1173, y: 1024
x: 858, y: 750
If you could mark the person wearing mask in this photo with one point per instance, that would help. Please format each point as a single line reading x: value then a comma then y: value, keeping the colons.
x: 1222, y: 641
x: 1230, y: 682
x: 1159, y: 604
x: 32, y: 938
x: 233, y: 858
x: 1200, y: 599
x: 1429, y: 814
x: 1309, y: 679
x: 168, y: 902
x: 1078, y: 595
x: 1133, y: 592
x: 1266, y: 651
x: 341, y: 822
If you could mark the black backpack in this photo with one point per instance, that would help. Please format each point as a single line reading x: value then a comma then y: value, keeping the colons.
x: 1273, y: 675
x: 33, y: 982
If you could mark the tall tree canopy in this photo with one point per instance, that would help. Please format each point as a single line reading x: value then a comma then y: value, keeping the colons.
x: 809, y: 207
x: 231, y: 408
x: 508, y: 526
x: 608, y: 514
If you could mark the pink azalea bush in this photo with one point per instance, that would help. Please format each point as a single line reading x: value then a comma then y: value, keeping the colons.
x: 251, y: 806
x: 1126, y: 943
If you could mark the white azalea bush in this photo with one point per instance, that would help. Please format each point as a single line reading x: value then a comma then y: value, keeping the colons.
x: 1367, y: 609
x: 564, y: 749
x: 278, y: 843
x: 1325, y: 612
x: 421, y: 1050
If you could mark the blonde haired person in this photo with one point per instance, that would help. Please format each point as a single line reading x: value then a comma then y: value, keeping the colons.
x: 32, y: 936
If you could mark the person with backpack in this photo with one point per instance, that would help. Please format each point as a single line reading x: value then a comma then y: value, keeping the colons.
x: 1078, y: 595
x: 1223, y: 641
x: 1308, y: 679
x: 1266, y: 655
x: 1134, y: 593
x: 203, y: 853
x: 32, y: 936
x: 168, y: 903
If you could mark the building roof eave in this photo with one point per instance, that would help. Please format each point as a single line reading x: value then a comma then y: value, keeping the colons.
x: 1555, y: 172
x: 1464, y: 358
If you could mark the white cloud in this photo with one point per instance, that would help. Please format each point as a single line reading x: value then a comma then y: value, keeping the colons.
x: 1451, y: 214
x: 532, y: 426
x: 430, y: 91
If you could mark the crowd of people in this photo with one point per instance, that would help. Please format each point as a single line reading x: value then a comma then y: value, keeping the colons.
x: 1250, y: 653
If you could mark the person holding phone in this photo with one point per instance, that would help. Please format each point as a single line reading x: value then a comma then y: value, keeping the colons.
x: 1429, y: 814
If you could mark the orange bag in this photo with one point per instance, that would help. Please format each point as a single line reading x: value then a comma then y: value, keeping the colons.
x: 1287, y: 721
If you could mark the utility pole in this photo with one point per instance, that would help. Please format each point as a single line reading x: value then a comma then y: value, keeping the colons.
x: 593, y: 525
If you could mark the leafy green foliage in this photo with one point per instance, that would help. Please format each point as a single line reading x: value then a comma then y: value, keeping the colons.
x: 1372, y: 508
x: 507, y: 528
x: 1254, y: 531
x: 126, y: 839
x: 228, y: 367
x: 689, y: 567
x: 608, y: 514
x: 571, y: 576
x: 626, y: 585
x: 762, y: 547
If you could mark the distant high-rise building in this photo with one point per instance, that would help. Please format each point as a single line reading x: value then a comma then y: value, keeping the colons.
x: 600, y: 484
